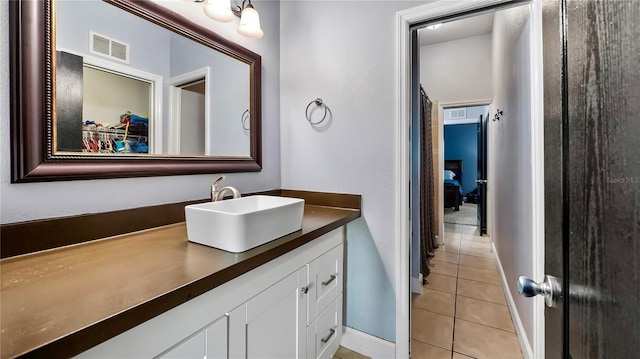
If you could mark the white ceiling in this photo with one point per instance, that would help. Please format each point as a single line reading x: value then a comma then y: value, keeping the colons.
x: 458, y: 29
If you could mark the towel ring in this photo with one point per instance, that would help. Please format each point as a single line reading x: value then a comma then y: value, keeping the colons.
x: 243, y: 119
x: 318, y: 103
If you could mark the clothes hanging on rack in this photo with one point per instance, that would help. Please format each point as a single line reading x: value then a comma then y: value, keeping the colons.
x: 428, y: 242
x: 129, y: 136
x: 105, y: 140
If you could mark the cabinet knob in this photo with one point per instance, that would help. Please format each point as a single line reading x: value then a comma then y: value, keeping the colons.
x: 305, y: 289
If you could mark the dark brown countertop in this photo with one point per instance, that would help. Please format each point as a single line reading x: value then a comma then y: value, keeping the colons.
x: 60, y: 302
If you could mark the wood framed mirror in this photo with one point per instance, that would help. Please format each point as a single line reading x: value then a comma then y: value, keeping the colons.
x: 39, y: 106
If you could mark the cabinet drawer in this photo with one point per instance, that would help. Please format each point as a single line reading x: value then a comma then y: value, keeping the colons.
x: 326, y: 279
x: 325, y: 333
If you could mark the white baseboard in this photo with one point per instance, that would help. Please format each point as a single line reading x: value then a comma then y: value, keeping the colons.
x: 416, y: 284
x: 527, y: 351
x: 367, y: 344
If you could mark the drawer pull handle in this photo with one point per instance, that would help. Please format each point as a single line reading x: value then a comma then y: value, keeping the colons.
x: 326, y: 339
x: 325, y: 283
x: 305, y: 290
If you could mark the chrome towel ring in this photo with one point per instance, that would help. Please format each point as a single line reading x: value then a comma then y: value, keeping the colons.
x: 318, y: 103
x: 243, y: 119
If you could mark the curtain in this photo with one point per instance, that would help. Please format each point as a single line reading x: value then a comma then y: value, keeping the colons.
x: 427, y: 218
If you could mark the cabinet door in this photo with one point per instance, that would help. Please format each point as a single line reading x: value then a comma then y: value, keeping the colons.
x: 217, y: 339
x: 210, y: 343
x: 274, y: 322
x: 192, y: 348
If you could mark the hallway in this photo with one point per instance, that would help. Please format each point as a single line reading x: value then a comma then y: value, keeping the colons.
x: 462, y: 312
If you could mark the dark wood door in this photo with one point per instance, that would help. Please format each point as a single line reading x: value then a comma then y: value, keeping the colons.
x: 482, y: 174
x: 592, y: 176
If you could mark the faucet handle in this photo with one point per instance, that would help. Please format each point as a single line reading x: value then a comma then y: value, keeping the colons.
x: 214, y: 186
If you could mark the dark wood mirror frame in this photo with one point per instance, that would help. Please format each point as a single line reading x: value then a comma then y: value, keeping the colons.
x: 32, y: 83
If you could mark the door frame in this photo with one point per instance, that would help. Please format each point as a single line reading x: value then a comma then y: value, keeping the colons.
x: 176, y: 84
x: 404, y: 20
x: 441, y: 108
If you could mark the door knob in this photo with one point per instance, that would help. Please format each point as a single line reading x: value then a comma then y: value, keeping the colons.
x: 550, y: 288
x: 481, y: 181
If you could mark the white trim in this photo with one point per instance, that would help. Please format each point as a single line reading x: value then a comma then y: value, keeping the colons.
x: 403, y: 91
x: 175, y: 84
x: 155, y: 81
x: 461, y: 121
x: 537, y: 169
x: 515, y: 317
x: 367, y: 344
x: 416, y: 284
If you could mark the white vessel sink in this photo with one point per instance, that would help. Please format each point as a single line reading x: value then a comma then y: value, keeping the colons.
x: 237, y: 225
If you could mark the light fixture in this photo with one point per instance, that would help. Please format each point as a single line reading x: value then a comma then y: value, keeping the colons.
x: 434, y: 26
x: 220, y: 10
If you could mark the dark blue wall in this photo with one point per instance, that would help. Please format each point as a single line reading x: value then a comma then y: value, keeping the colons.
x: 461, y: 143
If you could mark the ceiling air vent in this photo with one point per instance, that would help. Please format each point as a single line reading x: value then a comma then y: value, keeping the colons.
x: 108, y: 47
x: 458, y: 113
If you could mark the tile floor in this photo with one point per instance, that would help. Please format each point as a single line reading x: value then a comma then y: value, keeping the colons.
x: 462, y: 312
x: 344, y: 353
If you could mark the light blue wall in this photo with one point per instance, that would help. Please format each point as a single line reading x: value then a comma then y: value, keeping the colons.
x: 369, y: 291
x: 461, y: 143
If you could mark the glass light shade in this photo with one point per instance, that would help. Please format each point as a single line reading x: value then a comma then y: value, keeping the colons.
x: 219, y: 10
x: 250, y: 23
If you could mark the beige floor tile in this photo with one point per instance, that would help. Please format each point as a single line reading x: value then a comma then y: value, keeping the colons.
x: 470, y: 230
x: 452, y: 236
x: 476, y: 252
x: 480, y: 262
x: 460, y: 356
x: 449, y: 246
x: 450, y: 269
x: 475, y: 238
x: 476, y: 244
x: 478, y: 274
x: 344, y: 353
x: 445, y: 257
x: 452, y: 227
x: 420, y: 350
x: 452, y: 232
x: 474, y: 248
x: 443, y: 283
x: 479, y: 290
x: 485, y: 313
x: 480, y: 341
x: 432, y: 328
x: 435, y: 301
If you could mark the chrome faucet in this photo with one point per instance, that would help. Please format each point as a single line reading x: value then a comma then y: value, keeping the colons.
x: 218, y: 194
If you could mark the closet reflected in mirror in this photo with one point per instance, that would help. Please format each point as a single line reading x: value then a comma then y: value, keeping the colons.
x: 126, y: 86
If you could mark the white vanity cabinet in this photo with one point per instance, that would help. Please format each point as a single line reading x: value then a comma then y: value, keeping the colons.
x: 290, y: 307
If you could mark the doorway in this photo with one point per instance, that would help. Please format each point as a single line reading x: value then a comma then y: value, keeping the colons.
x: 190, y: 113
x: 446, y: 12
x: 465, y: 164
x: 192, y: 118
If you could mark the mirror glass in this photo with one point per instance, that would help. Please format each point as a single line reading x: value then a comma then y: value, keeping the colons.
x: 128, y: 87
